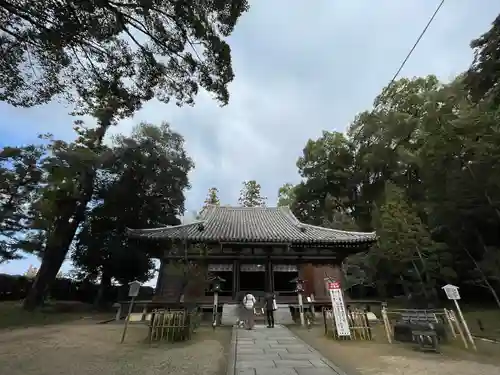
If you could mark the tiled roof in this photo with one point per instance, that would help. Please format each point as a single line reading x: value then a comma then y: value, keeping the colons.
x: 253, y: 224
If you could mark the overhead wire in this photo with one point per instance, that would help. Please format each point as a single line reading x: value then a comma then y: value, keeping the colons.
x: 412, y: 48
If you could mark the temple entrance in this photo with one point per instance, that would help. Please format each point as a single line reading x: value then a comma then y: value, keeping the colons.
x: 282, y: 275
x: 252, y: 278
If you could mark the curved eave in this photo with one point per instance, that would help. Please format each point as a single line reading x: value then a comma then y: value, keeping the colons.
x: 162, y: 234
x: 159, y: 232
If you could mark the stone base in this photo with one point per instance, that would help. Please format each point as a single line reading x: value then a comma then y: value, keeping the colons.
x: 230, y: 314
x: 283, y: 315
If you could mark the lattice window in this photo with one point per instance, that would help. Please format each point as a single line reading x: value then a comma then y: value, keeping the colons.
x: 252, y: 268
x: 285, y: 268
x: 220, y: 267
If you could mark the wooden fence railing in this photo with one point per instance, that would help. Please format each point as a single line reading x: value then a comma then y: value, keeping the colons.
x: 173, y: 325
x: 359, y: 325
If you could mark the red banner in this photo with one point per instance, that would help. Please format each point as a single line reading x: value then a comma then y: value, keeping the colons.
x: 333, y: 285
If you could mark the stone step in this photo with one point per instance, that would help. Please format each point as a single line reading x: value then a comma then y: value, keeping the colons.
x: 231, y: 314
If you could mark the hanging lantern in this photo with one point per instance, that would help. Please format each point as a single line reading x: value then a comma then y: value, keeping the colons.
x: 216, y: 282
x: 299, y: 285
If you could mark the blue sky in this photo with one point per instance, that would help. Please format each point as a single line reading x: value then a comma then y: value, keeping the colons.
x: 300, y: 69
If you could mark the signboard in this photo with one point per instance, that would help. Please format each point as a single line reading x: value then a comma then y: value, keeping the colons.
x: 338, y: 309
x: 333, y: 285
x: 134, y: 287
x: 451, y: 292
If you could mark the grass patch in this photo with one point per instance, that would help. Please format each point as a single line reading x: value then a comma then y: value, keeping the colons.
x: 351, y: 353
x: 483, y: 322
x: 203, y: 332
x: 13, y: 316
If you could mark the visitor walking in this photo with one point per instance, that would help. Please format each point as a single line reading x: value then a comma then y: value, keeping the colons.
x: 248, y: 304
x: 271, y: 307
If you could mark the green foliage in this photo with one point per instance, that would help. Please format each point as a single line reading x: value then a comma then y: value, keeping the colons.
x: 140, y: 185
x: 422, y: 169
x: 328, y: 185
x: 212, y: 197
x: 20, y: 178
x: 286, y: 195
x: 111, y: 56
x: 250, y: 195
x: 483, y: 77
x: 166, y: 49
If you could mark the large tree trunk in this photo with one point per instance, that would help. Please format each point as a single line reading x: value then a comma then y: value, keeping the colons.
x: 104, y: 287
x: 381, y: 286
x: 422, y: 283
x: 428, y: 278
x: 55, y: 251
x: 65, y: 226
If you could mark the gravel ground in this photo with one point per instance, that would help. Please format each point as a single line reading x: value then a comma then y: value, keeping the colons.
x: 380, y: 358
x: 84, y: 349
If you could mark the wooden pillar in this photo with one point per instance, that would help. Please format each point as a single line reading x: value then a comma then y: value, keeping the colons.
x: 159, y: 279
x: 236, y: 278
x: 269, y: 276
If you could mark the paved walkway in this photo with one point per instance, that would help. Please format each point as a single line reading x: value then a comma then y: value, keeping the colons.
x: 277, y: 351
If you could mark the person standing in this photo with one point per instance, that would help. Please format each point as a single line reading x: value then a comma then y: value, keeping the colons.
x: 270, y: 309
x: 249, y: 303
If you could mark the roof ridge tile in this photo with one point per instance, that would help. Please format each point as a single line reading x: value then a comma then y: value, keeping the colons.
x: 255, y: 224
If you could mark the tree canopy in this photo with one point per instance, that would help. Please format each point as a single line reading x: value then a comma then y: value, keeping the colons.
x: 140, y: 186
x: 420, y: 168
x: 109, y: 57
x: 250, y: 195
x: 483, y: 77
x: 20, y: 176
x: 212, y: 197
x: 146, y: 49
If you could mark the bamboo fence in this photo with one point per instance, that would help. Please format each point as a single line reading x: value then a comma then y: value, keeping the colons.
x: 359, y: 325
x: 172, y: 325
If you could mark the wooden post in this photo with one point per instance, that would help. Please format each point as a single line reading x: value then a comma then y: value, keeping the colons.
x: 466, y: 327
x: 236, y: 271
x: 313, y: 308
x: 385, y: 319
x: 301, y: 309
x: 459, y: 328
x: 448, y: 320
x: 127, y: 319
x: 118, y: 313
x: 216, y: 305
x: 324, y: 321
x: 159, y: 281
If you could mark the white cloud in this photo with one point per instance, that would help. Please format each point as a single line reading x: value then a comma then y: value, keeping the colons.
x: 301, y: 69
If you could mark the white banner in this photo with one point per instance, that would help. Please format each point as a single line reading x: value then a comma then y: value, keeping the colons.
x: 338, y: 309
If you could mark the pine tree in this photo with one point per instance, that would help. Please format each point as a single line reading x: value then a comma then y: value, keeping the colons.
x: 250, y: 195
x: 212, y: 197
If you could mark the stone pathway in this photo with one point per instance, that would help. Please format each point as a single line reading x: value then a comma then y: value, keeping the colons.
x: 277, y: 351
